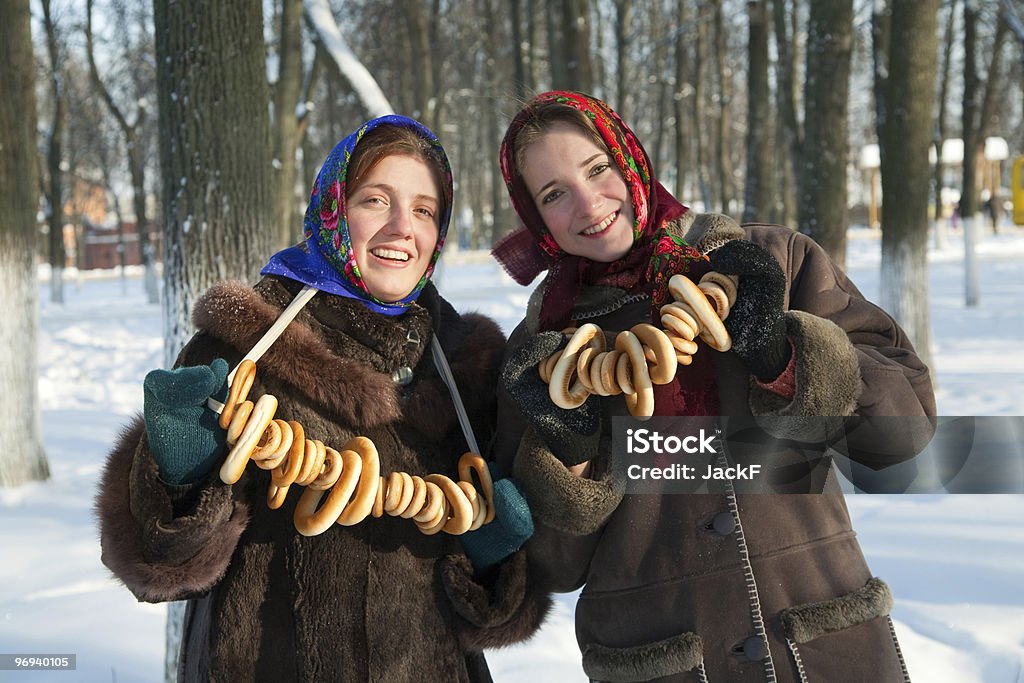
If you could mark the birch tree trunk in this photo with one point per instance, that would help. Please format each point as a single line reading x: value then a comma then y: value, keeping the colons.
x: 909, y: 91
x: 21, y: 451
x: 54, y: 156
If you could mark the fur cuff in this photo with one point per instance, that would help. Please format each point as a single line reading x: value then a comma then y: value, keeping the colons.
x: 827, y: 380
x: 708, y: 231
x: 507, y: 611
x: 668, y: 657
x: 804, y: 623
x: 158, y: 557
x: 558, y: 498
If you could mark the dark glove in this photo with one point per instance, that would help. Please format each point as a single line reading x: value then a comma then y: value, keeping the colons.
x: 572, y: 435
x: 183, y: 433
x: 511, y: 527
x: 755, y: 321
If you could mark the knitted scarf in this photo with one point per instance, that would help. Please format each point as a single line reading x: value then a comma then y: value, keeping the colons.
x: 531, y: 249
x: 326, y: 260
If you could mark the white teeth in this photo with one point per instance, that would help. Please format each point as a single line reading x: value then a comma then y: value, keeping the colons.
x: 391, y: 254
x: 594, y: 229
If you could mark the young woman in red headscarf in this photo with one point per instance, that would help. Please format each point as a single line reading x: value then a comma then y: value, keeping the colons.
x: 725, y: 586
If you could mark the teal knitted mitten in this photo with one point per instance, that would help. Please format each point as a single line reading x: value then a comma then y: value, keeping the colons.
x: 511, y: 528
x: 183, y: 433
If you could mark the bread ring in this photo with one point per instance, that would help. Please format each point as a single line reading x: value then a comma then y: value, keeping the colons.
x: 561, y: 392
x: 718, y: 298
x: 684, y: 358
x: 641, y: 402
x: 471, y: 463
x: 712, y: 330
x: 545, y: 367
x: 461, y: 509
x: 245, y: 375
x: 309, y: 521
x: 608, y: 366
x: 683, y: 314
x: 663, y: 369
x: 312, y: 463
x: 258, y: 419
x: 728, y: 283
x: 583, y: 362
x: 361, y: 505
x: 622, y: 377
x: 684, y: 345
x: 419, y: 497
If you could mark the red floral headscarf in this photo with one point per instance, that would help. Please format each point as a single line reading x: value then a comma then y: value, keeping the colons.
x: 531, y: 249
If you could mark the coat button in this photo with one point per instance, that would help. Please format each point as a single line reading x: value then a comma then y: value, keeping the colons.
x: 755, y: 649
x: 723, y: 523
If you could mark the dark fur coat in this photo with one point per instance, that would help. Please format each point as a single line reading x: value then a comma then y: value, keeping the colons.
x: 378, y: 601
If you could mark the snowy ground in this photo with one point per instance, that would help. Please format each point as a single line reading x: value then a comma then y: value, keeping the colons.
x: 955, y: 563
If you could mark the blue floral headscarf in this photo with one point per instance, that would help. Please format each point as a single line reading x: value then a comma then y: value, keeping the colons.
x: 328, y: 261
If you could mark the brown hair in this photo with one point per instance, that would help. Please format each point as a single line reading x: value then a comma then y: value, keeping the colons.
x: 542, y: 117
x: 389, y: 140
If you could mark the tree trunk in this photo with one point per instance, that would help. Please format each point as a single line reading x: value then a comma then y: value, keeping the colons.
x: 969, y: 191
x: 682, y: 132
x: 214, y: 151
x: 789, y: 127
x: 940, y: 128
x: 699, y: 109
x: 54, y: 156
x: 288, y: 227
x: 821, y: 197
x: 758, y: 189
x: 215, y: 155
x: 21, y: 446
x: 909, y: 92
x: 623, y: 27
x: 575, y: 18
x: 723, y: 167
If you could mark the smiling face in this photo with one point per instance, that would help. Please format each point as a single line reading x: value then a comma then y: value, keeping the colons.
x: 579, y: 193
x: 393, y: 220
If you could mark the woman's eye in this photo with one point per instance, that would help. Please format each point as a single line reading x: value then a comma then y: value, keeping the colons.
x: 425, y: 212
x: 600, y: 168
x: 551, y: 196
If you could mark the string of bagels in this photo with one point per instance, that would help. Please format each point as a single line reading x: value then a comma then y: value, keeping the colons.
x: 351, y: 477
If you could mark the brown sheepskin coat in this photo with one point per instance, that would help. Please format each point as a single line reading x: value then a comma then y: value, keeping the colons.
x: 378, y: 601
x: 737, y: 587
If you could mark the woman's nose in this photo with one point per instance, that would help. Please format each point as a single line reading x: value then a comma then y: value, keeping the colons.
x: 587, y: 200
x: 400, y: 221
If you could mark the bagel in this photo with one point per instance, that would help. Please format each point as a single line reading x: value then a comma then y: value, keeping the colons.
x: 712, y: 330
x: 564, y: 392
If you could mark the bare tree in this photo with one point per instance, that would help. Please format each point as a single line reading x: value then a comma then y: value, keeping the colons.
x: 286, y: 121
x: 940, y: 123
x: 54, y: 157
x: 133, y: 132
x: 758, y: 187
x: 21, y: 450
x: 821, y: 194
x: 906, y: 134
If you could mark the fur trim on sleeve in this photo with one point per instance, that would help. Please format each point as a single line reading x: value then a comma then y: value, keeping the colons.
x: 827, y: 378
x: 157, y: 557
x: 560, y: 499
x: 509, y: 611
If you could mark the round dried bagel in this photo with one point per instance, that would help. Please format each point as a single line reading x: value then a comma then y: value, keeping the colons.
x: 712, y: 330
x: 563, y: 390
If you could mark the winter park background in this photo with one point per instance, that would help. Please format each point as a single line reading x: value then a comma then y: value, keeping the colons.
x: 955, y: 562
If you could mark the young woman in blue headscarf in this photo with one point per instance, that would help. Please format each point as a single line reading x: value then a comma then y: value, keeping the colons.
x: 379, y: 600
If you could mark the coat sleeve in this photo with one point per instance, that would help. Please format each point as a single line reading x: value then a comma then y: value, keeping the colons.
x: 853, y: 361
x: 159, y: 554
x: 569, y: 511
x: 158, y: 547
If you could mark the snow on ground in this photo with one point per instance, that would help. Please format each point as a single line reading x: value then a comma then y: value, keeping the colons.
x: 955, y: 563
